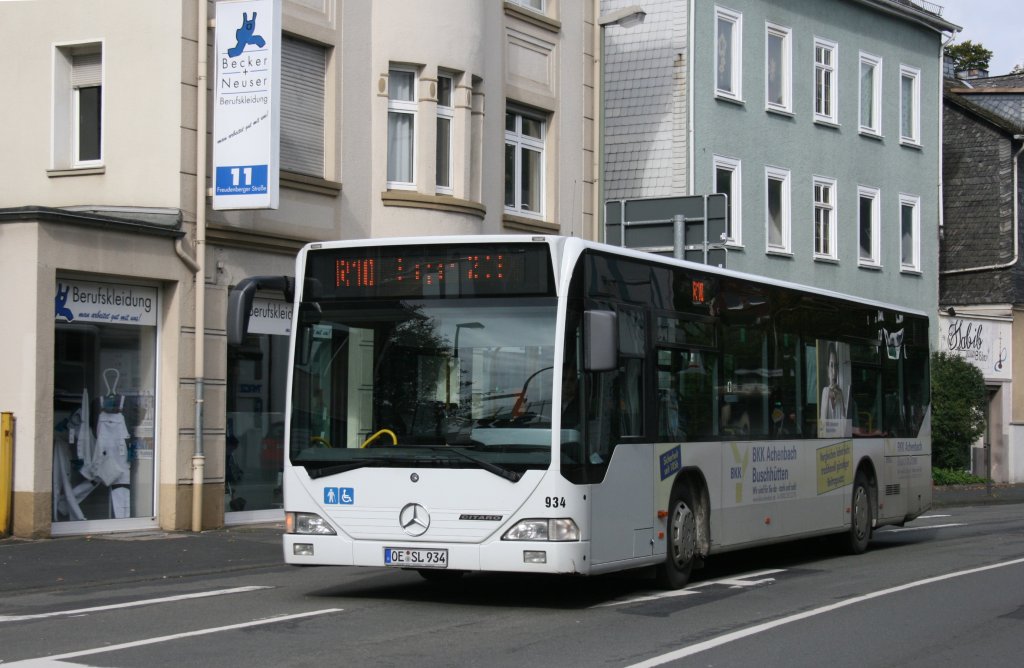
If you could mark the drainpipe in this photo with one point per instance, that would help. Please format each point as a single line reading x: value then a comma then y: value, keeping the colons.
x: 1016, y: 223
x: 198, y: 460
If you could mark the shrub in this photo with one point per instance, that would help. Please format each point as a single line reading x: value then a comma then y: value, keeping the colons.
x: 955, y: 477
x: 958, y: 410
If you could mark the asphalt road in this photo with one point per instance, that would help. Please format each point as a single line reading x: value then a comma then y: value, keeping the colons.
x: 948, y: 589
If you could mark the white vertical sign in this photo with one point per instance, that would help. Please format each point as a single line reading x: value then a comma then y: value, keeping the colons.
x: 246, y: 104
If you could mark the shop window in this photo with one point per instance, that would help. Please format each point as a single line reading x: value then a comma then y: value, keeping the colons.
x: 256, y: 382
x: 104, y: 402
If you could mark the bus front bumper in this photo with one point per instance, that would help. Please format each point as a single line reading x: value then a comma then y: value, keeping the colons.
x: 496, y: 556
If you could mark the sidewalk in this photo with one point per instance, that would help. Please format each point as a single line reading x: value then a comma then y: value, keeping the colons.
x: 73, y: 562
x: 976, y: 495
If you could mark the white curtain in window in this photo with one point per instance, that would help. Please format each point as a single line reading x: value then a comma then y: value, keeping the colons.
x: 400, y: 146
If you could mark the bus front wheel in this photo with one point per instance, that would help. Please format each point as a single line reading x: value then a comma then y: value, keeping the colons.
x: 681, y: 550
x: 856, y: 540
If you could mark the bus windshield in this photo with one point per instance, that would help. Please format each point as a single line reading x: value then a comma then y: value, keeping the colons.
x: 464, y: 382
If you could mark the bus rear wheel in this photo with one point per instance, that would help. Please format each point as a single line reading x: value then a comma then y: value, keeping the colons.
x: 681, y: 551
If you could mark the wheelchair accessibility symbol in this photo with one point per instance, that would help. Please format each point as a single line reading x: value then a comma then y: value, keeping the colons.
x: 335, y: 496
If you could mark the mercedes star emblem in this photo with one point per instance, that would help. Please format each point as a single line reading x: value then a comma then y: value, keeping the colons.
x: 414, y: 519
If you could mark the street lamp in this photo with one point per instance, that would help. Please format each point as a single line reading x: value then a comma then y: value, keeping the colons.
x: 627, y: 17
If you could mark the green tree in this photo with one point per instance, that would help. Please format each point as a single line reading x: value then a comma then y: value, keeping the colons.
x: 958, y: 409
x: 969, y: 56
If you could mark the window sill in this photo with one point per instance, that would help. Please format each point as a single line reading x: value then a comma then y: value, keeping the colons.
x: 779, y: 111
x: 414, y: 200
x: 535, y: 18
x: 722, y: 97
x: 779, y: 252
x: 871, y: 134
x: 911, y: 144
x: 825, y: 259
x: 310, y: 184
x: 524, y: 224
x: 910, y: 271
x: 826, y: 123
x: 76, y: 171
x: 869, y: 267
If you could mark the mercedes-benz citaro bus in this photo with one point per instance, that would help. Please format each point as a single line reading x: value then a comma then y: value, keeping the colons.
x: 551, y: 405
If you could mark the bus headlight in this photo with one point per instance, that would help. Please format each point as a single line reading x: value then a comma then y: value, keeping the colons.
x: 559, y: 529
x: 307, y: 523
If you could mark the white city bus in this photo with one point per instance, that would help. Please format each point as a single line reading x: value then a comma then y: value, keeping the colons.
x: 551, y: 405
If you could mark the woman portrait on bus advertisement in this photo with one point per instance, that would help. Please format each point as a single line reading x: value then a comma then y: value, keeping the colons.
x: 833, y: 365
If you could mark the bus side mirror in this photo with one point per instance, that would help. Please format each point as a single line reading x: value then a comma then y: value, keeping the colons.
x: 601, y: 340
x: 240, y: 302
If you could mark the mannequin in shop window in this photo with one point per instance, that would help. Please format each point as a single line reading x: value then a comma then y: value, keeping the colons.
x: 111, y: 447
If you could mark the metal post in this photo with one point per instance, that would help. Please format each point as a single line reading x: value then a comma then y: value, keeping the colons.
x: 6, y: 472
x: 679, y: 236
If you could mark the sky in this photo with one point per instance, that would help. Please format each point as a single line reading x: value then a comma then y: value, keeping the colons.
x: 996, y: 24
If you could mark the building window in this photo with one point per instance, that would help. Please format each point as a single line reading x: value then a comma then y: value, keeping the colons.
x: 728, y: 53
x: 78, y: 106
x: 825, y: 218
x: 445, y: 116
x: 401, y: 129
x: 303, y: 82
x: 870, y: 94
x: 778, y: 68
x: 825, y: 80
x: 535, y: 5
x: 727, y: 181
x: 910, y: 105
x: 910, y: 232
x: 104, y: 403
x: 524, y: 163
x: 777, y: 209
x: 868, y: 226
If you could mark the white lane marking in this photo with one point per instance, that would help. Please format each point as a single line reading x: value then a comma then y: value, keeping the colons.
x: 932, y: 517
x: 132, y: 604
x: 933, y: 526
x: 734, y: 582
x: 690, y: 650
x: 175, y: 636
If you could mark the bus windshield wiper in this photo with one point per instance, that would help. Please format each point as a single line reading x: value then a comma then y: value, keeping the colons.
x: 490, y: 467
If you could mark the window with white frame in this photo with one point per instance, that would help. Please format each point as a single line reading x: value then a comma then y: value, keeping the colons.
x: 445, y: 118
x: 825, y: 218
x: 777, y: 209
x: 910, y: 105
x: 535, y: 5
x: 78, y: 106
x: 401, y: 129
x: 303, y: 82
x: 727, y: 181
x: 870, y: 94
x: 825, y: 80
x: 524, y: 162
x: 778, y: 64
x: 910, y: 232
x: 728, y: 53
x: 868, y: 225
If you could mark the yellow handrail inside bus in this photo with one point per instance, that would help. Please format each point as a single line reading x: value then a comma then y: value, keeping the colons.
x: 394, y: 439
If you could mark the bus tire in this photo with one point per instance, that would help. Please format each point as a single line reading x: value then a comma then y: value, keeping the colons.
x: 856, y: 539
x: 681, y: 550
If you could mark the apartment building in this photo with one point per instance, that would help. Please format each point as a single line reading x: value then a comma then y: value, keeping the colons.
x: 132, y: 411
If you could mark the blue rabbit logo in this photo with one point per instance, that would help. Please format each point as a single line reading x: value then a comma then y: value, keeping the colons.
x: 60, y: 303
x: 245, y: 35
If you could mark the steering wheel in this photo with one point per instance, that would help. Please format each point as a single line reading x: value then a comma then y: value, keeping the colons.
x: 378, y: 434
x: 320, y: 442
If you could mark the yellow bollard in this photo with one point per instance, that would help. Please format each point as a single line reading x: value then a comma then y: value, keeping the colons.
x: 6, y: 471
